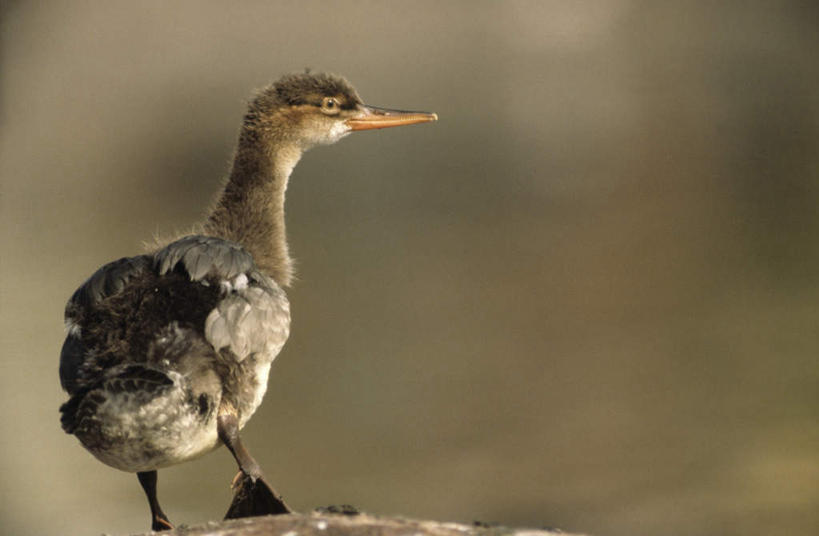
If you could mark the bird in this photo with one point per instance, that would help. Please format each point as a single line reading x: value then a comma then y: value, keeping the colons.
x: 167, y: 353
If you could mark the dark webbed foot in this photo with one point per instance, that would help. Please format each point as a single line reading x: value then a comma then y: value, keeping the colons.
x: 252, y: 495
x: 159, y: 521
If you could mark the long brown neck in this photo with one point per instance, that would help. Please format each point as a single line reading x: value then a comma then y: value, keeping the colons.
x: 250, y: 209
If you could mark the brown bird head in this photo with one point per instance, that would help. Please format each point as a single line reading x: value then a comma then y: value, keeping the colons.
x: 319, y: 109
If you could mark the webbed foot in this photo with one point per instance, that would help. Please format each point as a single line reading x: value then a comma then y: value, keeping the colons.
x: 161, y: 522
x: 254, y: 497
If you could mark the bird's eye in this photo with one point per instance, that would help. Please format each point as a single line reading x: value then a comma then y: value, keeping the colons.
x: 330, y: 105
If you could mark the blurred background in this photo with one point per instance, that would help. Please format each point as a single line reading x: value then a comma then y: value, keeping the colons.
x: 586, y: 298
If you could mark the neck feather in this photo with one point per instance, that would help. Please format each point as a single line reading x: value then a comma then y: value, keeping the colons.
x: 250, y: 209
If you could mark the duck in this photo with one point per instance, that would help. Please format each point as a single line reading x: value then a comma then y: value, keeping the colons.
x: 167, y: 353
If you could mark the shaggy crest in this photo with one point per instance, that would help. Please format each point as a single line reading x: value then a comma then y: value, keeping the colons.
x: 305, y: 88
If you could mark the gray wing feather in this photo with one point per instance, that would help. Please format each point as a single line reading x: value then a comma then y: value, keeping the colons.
x: 166, y: 259
x: 254, y: 314
x: 251, y: 319
x: 110, y: 279
x: 204, y: 256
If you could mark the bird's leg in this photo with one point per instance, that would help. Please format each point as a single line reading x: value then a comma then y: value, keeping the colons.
x: 228, y: 428
x: 159, y: 521
x: 253, y: 496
